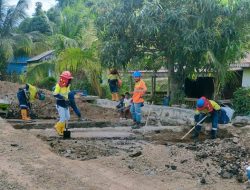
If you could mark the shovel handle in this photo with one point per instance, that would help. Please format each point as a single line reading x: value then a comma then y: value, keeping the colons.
x: 194, y: 127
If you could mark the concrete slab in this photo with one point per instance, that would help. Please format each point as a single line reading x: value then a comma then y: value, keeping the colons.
x: 43, y: 124
x: 107, y: 132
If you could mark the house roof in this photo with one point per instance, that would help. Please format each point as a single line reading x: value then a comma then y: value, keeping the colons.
x: 42, y: 55
x: 246, y: 61
x: 243, y: 63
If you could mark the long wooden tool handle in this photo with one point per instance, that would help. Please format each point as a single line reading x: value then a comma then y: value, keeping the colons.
x: 194, y: 127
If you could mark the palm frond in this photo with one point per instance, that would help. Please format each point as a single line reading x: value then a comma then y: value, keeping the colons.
x: 38, y: 72
x: 14, y: 15
x: 6, y: 48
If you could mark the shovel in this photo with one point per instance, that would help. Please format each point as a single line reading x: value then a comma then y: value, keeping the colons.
x: 66, y: 132
x: 194, y: 127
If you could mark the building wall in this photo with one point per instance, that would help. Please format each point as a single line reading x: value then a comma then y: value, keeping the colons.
x: 246, y: 77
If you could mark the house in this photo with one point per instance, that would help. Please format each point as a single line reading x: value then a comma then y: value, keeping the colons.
x: 204, y: 86
x: 244, y: 67
x: 19, y: 65
x: 45, y: 56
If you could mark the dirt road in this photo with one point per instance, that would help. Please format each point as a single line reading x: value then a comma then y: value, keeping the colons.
x: 27, y: 162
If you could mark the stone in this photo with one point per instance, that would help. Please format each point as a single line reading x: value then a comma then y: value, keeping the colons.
x: 184, y: 161
x: 131, y: 167
x: 173, y: 167
x: 202, y: 155
x: 235, y: 140
x: 241, y: 121
x: 203, y: 180
x: 136, y: 154
x: 14, y: 145
x: 69, y: 151
x: 67, y: 155
x: 167, y: 166
x: 226, y: 175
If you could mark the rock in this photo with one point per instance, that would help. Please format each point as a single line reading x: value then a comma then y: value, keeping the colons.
x: 226, y: 175
x: 173, y: 167
x: 14, y: 145
x: 67, y: 155
x: 202, y: 155
x: 131, y: 167
x: 136, y: 154
x: 69, y: 151
x: 203, y: 180
x: 235, y: 140
x: 241, y: 121
x: 183, y: 161
x: 167, y: 166
x: 149, y: 172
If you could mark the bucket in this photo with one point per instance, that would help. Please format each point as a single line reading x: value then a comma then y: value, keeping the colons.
x: 248, y: 173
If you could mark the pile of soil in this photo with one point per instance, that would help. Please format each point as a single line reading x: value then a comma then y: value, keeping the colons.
x: 47, y: 109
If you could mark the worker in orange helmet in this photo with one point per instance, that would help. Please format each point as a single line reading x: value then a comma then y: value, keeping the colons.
x: 61, y: 92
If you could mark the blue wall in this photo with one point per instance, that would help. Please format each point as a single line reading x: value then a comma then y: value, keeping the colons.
x: 17, y: 65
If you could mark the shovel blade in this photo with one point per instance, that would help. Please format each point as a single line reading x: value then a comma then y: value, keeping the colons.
x: 67, y: 134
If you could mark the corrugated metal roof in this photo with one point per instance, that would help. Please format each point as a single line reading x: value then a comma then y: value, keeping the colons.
x: 243, y: 63
x: 38, y: 57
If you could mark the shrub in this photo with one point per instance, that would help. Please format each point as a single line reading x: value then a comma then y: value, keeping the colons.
x: 47, y: 83
x: 241, y: 101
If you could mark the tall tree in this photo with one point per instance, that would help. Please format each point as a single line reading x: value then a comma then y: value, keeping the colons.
x: 10, y: 17
x: 192, y: 36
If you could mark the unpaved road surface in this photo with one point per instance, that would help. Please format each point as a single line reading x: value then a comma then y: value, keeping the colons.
x: 31, y: 162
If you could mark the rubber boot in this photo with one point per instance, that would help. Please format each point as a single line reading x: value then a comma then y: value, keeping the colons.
x: 117, y: 98
x: 58, y: 127
x: 196, y: 132
x: 213, y: 134
x: 113, y: 97
x: 24, y: 114
x: 63, y: 127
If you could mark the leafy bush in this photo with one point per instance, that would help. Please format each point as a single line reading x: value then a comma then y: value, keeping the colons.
x: 241, y: 101
x: 47, y: 83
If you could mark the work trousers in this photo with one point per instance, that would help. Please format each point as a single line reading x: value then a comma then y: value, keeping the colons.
x: 214, y: 116
x: 63, y: 113
x: 135, y: 110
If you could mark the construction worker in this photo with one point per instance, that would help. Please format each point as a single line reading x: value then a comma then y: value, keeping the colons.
x: 26, y: 96
x: 61, y: 92
x: 205, y: 107
x: 139, y: 90
x: 113, y: 84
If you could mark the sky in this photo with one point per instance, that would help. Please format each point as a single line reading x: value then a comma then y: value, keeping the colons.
x: 46, y: 4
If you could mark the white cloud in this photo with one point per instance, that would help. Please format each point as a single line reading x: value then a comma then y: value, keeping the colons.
x: 32, y: 4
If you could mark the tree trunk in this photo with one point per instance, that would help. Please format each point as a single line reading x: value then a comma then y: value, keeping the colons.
x: 175, y: 88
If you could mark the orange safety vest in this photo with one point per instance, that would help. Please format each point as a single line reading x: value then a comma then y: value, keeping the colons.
x: 139, y: 90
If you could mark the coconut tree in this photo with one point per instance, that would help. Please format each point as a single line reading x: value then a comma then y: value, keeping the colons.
x: 82, y: 61
x: 10, y: 17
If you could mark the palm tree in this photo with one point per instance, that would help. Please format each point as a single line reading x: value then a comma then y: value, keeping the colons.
x: 10, y: 17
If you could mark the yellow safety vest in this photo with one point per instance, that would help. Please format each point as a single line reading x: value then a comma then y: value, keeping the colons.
x: 64, y: 91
